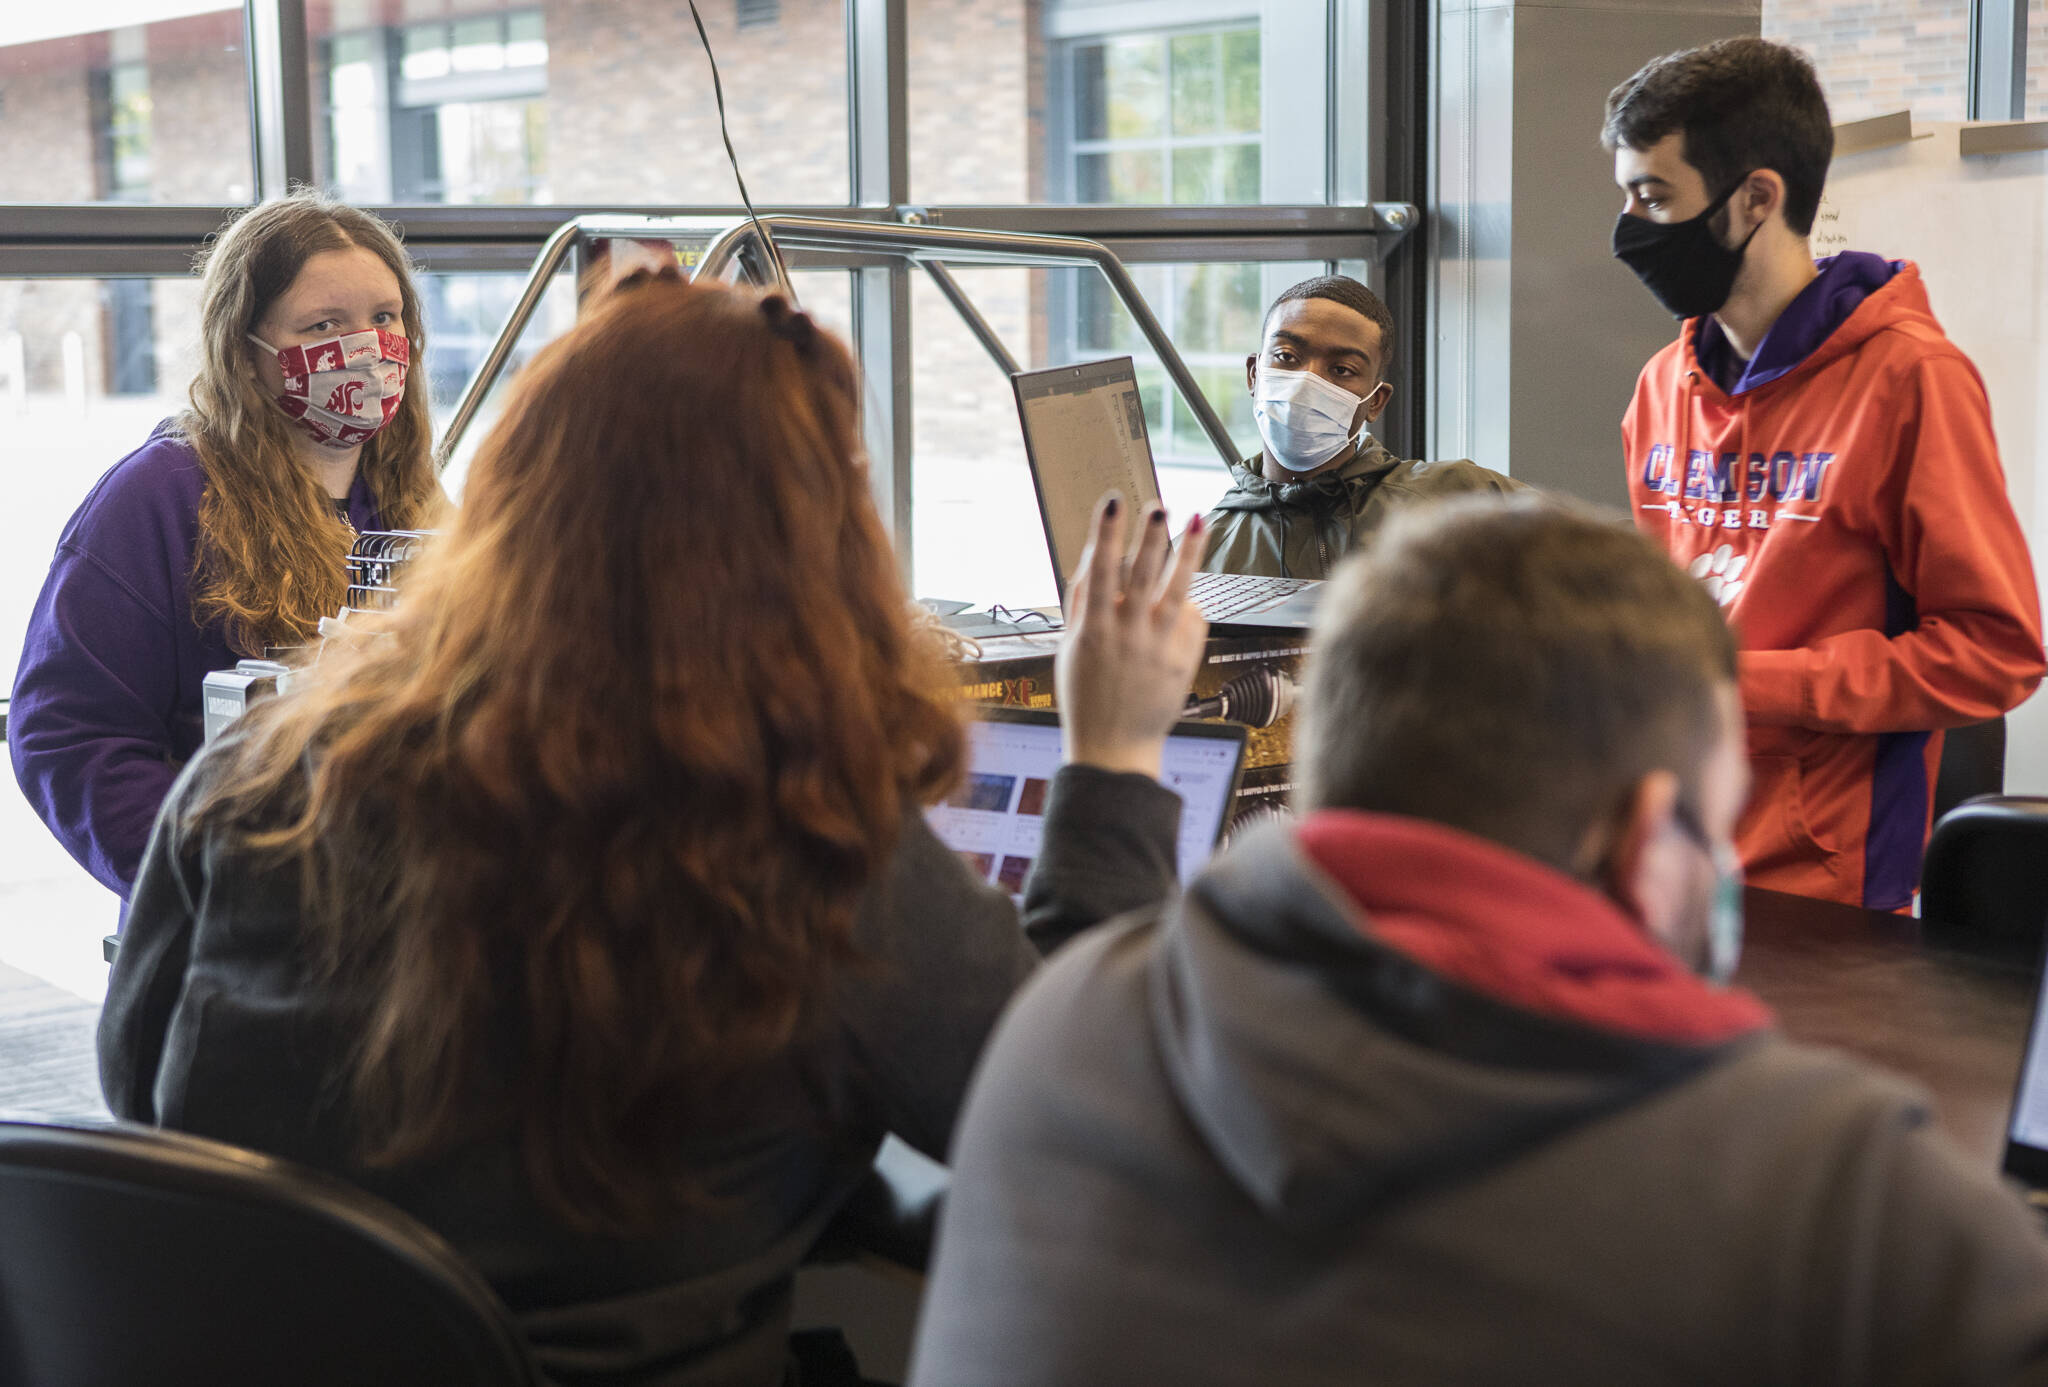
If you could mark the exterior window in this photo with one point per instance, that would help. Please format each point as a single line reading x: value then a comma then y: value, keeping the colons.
x: 975, y: 529
x: 1165, y: 118
x: 1140, y: 104
x: 441, y: 112
x: 1211, y: 313
x: 479, y: 107
x: 121, y: 139
x: 130, y: 311
x: 1168, y: 118
x: 153, y: 110
x: 1132, y: 103
x: 121, y: 131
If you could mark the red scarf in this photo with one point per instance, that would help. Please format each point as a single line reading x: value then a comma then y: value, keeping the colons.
x: 1506, y: 926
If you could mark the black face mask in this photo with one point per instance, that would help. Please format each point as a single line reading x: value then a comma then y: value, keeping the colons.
x: 1689, y: 271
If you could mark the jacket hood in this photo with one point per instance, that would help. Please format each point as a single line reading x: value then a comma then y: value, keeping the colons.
x: 1899, y: 303
x: 1387, y: 1078
x: 1325, y: 491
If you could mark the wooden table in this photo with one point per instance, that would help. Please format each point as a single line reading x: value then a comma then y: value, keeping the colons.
x: 1863, y: 981
x: 1857, y: 980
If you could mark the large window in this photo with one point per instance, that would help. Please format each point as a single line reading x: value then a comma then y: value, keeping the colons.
x: 1164, y: 117
x: 155, y: 110
x: 474, y: 103
x: 1124, y: 102
x: 121, y: 121
x: 1205, y: 141
x: 445, y: 111
x: 1212, y: 314
x: 977, y: 534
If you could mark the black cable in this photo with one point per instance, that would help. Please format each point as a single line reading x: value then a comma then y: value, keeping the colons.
x: 718, y: 92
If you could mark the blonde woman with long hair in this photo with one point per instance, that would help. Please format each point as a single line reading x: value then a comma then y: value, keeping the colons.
x: 225, y: 534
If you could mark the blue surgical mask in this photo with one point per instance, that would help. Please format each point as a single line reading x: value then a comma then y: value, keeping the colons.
x: 1724, y: 918
x: 1304, y: 420
x: 1724, y: 913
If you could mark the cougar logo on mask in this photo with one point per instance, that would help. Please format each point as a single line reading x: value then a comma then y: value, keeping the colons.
x: 360, y: 375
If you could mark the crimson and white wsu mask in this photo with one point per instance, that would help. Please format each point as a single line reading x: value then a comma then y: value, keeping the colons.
x: 342, y: 390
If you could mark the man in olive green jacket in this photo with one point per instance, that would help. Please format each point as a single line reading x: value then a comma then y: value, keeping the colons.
x: 1322, y: 484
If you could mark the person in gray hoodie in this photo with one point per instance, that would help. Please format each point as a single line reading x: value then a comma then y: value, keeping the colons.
x: 1443, y: 1083
x: 1322, y: 483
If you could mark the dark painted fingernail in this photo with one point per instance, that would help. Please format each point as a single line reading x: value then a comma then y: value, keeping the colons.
x: 1112, y: 506
x: 1195, y: 526
x: 1158, y: 516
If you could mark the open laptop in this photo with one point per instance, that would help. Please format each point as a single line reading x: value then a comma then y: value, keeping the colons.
x: 1084, y: 433
x: 2026, y: 1132
x: 996, y: 817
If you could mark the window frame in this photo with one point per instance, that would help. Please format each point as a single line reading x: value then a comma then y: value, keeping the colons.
x: 1373, y: 60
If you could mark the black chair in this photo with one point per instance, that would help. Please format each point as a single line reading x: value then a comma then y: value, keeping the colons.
x: 865, y: 1279
x: 1984, y: 882
x: 133, y: 1255
x: 1972, y: 764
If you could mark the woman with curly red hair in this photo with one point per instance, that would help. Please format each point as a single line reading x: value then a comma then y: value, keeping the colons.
x: 590, y: 913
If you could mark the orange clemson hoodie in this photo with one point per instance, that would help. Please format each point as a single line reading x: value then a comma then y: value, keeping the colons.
x: 1844, y: 502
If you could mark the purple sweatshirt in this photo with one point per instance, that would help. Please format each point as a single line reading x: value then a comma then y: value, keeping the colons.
x: 1844, y: 281
x: 107, y: 702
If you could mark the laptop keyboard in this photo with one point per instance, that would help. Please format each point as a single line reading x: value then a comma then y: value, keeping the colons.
x: 1222, y: 596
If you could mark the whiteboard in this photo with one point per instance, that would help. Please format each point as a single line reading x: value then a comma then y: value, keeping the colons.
x: 1978, y: 229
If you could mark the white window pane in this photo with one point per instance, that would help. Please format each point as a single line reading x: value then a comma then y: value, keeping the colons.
x: 426, y: 52
x: 976, y: 534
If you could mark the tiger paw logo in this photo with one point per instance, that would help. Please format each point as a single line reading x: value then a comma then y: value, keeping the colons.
x: 1720, y: 572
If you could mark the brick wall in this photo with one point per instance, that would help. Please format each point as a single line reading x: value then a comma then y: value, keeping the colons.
x: 971, y: 136
x: 2037, y: 62
x: 46, y: 130
x: 46, y: 126
x: 629, y: 119
x: 199, y: 111
x: 199, y: 136
x: 1878, y: 56
x: 630, y: 111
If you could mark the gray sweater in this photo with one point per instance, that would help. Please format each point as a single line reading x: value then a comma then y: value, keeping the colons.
x: 1241, y: 1142
x: 212, y: 1026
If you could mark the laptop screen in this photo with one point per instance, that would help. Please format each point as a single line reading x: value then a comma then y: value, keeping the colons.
x: 1084, y: 432
x: 997, y: 817
x: 2026, y: 1145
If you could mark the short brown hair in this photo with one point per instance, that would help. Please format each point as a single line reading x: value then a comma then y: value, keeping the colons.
x: 1510, y: 668
x: 1743, y: 104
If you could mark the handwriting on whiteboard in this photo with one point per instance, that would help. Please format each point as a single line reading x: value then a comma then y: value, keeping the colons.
x: 1828, y: 236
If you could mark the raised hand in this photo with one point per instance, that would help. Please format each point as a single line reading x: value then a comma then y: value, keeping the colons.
x: 1133, y: 644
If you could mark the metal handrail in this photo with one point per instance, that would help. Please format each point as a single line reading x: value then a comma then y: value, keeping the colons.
x: 966, y: 245
x: 932, y: 247
x: 552, y: 253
